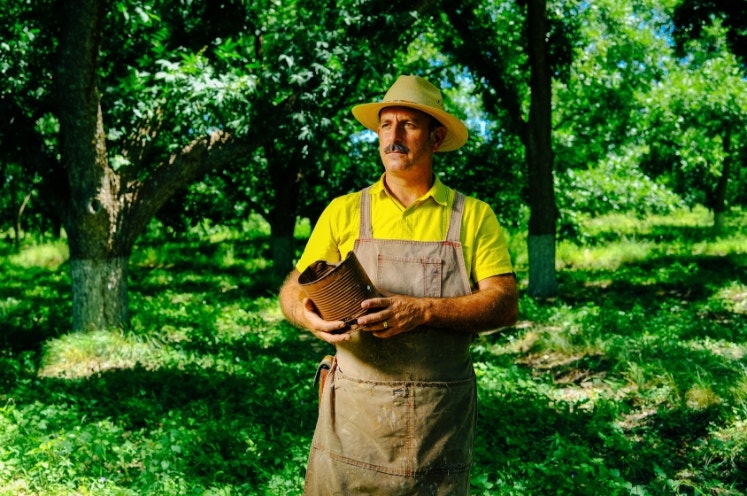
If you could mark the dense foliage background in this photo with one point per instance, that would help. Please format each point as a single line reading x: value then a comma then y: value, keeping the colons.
x: 164, y: 161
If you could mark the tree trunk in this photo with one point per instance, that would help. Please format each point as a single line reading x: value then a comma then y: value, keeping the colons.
x: 99, y: 276
x: 282, y: 226
x: 535, y: 132
x: 538, y: 144
x: 283, y: 253
x: 100, y: 297
x: 104, y: 215
x: 284, y: 173
x: 541, y: 251
x: 719, y: 193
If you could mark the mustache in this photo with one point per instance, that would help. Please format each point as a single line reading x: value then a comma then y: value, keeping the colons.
x: 396, y: 147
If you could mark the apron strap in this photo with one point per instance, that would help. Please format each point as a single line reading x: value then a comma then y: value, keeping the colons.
x: 365, y: 231
x: 455, y: 224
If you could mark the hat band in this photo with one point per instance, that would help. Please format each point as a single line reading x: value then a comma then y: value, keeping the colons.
x: 436, y: 106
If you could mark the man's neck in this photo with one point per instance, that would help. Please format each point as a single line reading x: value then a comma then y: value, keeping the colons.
x: 407, y: 188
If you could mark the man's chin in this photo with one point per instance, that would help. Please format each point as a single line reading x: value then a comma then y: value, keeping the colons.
x: 395, y: 160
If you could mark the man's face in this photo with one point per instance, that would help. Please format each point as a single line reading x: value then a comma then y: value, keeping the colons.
x: 405, y: 139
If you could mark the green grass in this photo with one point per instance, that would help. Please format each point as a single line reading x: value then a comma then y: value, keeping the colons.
x: 632, y: 381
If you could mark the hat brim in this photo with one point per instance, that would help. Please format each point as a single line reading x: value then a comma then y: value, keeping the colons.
x: 456, y: 132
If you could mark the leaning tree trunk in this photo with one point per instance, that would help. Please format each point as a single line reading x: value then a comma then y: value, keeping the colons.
x: 103, y: 214
x: 539, y: 154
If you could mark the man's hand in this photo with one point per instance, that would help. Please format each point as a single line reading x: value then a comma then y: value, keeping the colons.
x: 331, y: 331
x: 492, y: 305
x: 391, y: 315
x: 301, y: 312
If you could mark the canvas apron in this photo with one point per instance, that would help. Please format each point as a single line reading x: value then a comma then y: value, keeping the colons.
x: 397, y: 415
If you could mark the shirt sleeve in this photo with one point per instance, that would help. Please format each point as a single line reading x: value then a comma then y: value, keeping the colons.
x: 490, y: 250
x: 334, y: 233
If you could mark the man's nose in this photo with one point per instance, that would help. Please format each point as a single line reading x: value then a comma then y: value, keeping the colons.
x: 398, y: 133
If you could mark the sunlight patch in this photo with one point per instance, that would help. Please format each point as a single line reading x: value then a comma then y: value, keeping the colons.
x: 735, y: 434
x: 49, y: 256
x: 84, y: 354
x: 700, y: 397
x: 734, y: 297
x: 720, y: 347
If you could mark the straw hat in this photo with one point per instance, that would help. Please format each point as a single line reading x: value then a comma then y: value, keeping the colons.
x: 415, y: 92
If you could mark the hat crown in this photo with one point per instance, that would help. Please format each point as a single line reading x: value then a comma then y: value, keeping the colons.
x: 414, y: 89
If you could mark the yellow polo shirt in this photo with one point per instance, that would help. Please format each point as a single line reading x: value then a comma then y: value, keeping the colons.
x: 483, y: 241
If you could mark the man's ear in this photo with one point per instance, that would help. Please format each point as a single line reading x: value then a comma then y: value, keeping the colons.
x: 438, y: 137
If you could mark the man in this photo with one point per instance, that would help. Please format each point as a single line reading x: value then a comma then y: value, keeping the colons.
x: 398, y: 409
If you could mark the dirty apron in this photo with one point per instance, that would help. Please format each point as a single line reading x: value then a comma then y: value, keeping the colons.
x: 397, y: 415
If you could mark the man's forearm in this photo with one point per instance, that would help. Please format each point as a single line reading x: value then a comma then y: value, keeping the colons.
x: 291, y: 301
x: 493, y: 305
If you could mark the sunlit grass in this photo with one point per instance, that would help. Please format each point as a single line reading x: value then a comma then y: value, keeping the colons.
x: 48, y: 255
x: 734, y: 295
x: 612, y: 240
x: 85, y: 354
x: 605, y: 257
x: 627, y: 224
x: 628, y: 239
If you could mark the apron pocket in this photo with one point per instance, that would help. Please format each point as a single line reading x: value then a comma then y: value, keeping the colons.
x: 405, y: 275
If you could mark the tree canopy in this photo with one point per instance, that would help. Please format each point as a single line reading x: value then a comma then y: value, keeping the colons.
x: 118, y: 114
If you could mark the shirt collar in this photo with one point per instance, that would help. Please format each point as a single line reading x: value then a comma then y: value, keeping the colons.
x: 439, y: 192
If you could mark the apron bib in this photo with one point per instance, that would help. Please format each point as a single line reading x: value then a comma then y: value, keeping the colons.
x: 397, y: 415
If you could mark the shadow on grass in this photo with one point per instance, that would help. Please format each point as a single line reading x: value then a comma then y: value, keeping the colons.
x: 34, y: 306
x: 691, y: 277
x: 558, y: 428
x: 241, y: 425
x: 205, y: 421
x: 197, y: 421
x: 224, y: 283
